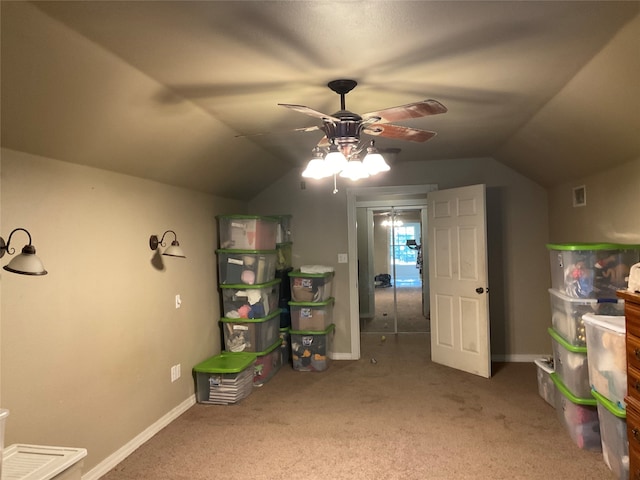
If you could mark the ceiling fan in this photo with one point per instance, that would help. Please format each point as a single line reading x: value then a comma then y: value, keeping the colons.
x: 343, y: 128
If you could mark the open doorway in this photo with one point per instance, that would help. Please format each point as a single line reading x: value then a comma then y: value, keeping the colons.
x: 391, y: 271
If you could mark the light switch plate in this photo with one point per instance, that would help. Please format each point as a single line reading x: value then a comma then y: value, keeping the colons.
x: 343, y: 258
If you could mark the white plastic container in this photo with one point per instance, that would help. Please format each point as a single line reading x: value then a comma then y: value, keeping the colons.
x: 43, y: 462
x: 566, y: 314
x: 613, y: 433
x: 607, y: 356
x: 3, y: 419
x: 546, y: 387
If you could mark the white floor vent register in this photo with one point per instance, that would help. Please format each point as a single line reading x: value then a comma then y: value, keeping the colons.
x: 38, y: 462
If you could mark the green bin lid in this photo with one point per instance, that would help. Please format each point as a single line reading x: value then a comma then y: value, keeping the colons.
x: 298, y: 273
x: 245, y: 252
x: 251, y: 320
x: 591, y: 246
x: 572, y: 348
x: 330, y: 328
x: 248, y: 217
x: 226, y: 362
x: 614, y: 408
x: 328, y: 301
x: 244, y: 286
x: 590, y: 402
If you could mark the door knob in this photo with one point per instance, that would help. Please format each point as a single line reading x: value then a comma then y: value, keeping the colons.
x: 479, y: 290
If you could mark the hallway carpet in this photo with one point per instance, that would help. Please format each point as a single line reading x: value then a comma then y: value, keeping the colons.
x: 398, y: 418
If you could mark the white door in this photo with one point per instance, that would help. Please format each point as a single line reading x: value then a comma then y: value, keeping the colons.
x: 457, y: 238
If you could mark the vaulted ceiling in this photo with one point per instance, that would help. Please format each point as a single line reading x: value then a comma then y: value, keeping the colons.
x: 176, y: 91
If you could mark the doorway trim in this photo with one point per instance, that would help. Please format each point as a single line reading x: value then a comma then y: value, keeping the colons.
x: 372, y: 196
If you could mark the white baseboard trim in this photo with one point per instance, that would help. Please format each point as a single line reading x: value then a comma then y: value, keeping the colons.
x: 511, y: 358
x: 112, y: 460
x: 519, y: 358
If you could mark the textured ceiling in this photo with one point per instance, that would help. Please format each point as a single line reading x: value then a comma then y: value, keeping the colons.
x: 175, y: 91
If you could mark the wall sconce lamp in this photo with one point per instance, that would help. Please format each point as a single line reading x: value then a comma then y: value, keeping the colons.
x: 174, y: 250
x: 27, y: 263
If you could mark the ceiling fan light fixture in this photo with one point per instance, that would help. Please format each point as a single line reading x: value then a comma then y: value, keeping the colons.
x: 354, y: 170
x: 316, y: 169
x: 335, y: 161
x: 374, y: 162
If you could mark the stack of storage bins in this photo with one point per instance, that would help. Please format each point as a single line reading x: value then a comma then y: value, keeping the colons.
x: 312, y: 327
x: 284, y: 265
x: 250, y: 291
x: 584, y: 280
x: 606, y: 350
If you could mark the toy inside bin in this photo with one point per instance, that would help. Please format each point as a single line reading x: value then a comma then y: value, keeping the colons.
x: 591, y: 270
x: 310, y: 287
x: 247, y: 232
x: 246, y: 267
x: 311, y: 350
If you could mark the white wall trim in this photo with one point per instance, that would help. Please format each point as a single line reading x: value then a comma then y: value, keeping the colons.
x: 112, y: 460
x: 519, y: 358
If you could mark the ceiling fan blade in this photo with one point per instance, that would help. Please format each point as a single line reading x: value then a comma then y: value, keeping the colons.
x: 398, y: 132
x: 410, y: 110
x: 301, y: 129
x: 310, y: 111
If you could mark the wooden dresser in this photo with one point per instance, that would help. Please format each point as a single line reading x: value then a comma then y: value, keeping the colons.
x: 632, y: 314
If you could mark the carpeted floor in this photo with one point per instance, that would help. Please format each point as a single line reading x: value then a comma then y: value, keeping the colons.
x: 407, y: 306
x: 390, y: 415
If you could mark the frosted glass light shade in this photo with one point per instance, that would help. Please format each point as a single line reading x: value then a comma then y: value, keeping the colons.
x: 335, y: 161
x: 27, y: 263
x: 317, y: 169
x: 354, y: 170
x: 374, y: 163
x: 174, y: 250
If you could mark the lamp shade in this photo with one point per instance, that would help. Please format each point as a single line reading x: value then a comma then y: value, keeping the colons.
x: 354, y: 170
x: 335, y: 161
x: 27, y: 263
x: 174, y: 250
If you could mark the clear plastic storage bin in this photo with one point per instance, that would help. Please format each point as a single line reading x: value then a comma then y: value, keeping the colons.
x: 251, y: 334
x: 571, y: 365
x: 247, y: 232
x: 311, y: 315
x: 285, y: 346
x: 225, y: 379
x: 267, y: 364
x: 607, y: 355
x: 285, y: 256
x: 567, y: 312
x: 283, y: 233
x: 579, y: 416
x: 310, y: 287
x: 250, y: 301
x: 546, y: 387
x: 613, y: 435
x: 591, y: 270
x: 311, y: 351
x: 246, y: 267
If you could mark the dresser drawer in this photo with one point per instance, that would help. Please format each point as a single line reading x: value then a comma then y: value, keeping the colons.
x: 633, y: 351
x: 633, y: 435
x: 633, y: 382
x: 632, y: 313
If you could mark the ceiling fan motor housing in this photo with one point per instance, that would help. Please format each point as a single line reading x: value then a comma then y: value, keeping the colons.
x: 345, y: 132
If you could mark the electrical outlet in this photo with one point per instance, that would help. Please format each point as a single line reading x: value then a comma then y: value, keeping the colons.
x: 343, y: 258
x: 178, y: 301
x: 175, y: 372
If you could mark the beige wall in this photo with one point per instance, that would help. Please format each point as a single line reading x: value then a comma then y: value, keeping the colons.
x: 612, y: 210
x: 86, y: 350
x: 517, y: 234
